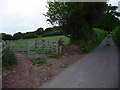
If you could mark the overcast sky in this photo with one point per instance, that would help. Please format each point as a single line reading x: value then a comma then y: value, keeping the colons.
x: 24, y: 15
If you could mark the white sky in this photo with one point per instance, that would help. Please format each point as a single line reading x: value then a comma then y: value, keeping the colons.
x: 24, y: 15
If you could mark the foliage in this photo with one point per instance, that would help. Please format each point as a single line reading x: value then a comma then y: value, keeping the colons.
x: 76, y: 19
x: 26, y: 35
x: 39, y: 61
x: 49, y: 64
x: 54, y: 56
x: 29, y: 35
x: 108, y: 21
x: 88, y: 46
x: 116, y: 35
x: 100, y: 34
x: 112, y: 10
x: 64, y: 66
x: 54, y: 31
x: 17, y: 36
x: 39, y: 31
x: 8, y: 58
x: 6, y: 36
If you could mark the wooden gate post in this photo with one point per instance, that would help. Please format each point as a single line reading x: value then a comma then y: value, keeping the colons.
x: 36, y: 44
x: 43, y: 44
x: 60, y: 44
x: 48, y: 46
x: 8, y: 44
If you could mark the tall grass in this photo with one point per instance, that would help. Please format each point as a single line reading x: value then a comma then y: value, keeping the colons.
x: 8, y: 58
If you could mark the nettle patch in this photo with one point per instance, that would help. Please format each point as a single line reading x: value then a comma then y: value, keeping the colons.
x: 40, y: 61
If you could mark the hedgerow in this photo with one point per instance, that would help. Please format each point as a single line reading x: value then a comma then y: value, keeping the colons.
x: 88, y: 46
x: 116, y: 35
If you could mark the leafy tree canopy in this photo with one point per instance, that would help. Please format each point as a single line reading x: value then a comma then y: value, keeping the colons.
x: 109, y: 20
x: 76, y: 19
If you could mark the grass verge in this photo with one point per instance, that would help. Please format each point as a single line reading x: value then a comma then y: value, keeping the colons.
x: 8, y: 58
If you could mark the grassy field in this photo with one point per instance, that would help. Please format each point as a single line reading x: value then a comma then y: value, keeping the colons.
x: 51, y: 38
x: 64, y: 38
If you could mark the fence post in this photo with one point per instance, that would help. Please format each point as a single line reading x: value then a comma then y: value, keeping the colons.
x: 8, y: 44
x: 48, y: 45
x: 54, y: 47
x: 60, y: 44
x: 36, y: 44
x: 28, y: 51
x: 43, y: 44
x: 57, y: 47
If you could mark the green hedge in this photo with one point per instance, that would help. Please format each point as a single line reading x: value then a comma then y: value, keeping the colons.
x: 100, y: 35
x: 116, y: 35
x: 8, y: 58
x: 88, y: 46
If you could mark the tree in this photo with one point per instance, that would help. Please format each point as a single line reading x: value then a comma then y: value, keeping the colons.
x: 6, y: 36
x: 18, y: 35
x: 39, y: 31
x: 109, y: 20
x: 76, y: 19
x: 57, y: 30
x: 29, y: 35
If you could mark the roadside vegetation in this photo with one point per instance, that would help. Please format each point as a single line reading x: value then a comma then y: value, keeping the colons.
x: 64, y: 66
x: 39, y: 61
x: 116, y: 36
x: 88, y: 46
x: 8, y: 58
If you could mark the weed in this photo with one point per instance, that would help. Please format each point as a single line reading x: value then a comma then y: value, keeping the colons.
x: 39, y: 61
x: 64, y: 66
x: 49, y: 64
x: 8, y: 58
x: 54, y: 56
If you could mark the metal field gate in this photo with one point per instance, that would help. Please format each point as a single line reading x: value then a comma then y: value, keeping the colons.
x: 35, y: 48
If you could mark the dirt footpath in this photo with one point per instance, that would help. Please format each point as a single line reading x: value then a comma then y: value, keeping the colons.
x: 26, y: 75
